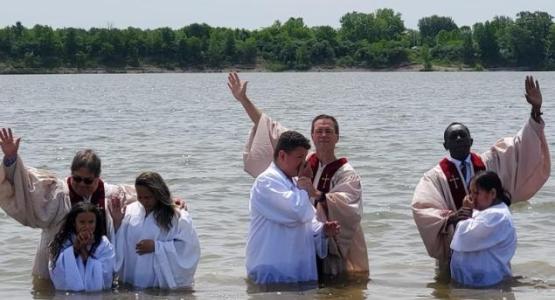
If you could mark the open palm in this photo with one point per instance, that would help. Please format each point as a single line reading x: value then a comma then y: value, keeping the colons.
x: 237, y: 87
x: 533, y: 93
x: 8, y: 143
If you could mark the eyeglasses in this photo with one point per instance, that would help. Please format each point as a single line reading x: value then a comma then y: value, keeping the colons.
x: 86, y: 180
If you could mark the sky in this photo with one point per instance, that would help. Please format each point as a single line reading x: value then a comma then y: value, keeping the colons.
x: 248, y: 14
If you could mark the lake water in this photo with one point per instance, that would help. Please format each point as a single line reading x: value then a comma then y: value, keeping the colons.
x: 189, y: 128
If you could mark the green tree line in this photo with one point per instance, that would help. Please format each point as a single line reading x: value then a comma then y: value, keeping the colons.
x: 364, y: 40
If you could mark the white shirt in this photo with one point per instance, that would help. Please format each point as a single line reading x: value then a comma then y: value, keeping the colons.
x: 469, y: 169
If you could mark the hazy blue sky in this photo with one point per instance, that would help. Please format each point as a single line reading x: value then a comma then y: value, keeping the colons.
x: 250, y: 14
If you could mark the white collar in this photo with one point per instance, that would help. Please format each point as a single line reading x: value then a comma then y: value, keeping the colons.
x: 459, y: 162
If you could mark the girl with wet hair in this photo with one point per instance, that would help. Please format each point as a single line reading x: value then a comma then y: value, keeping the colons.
x: 484, y: 244
x: 157, y: 246
x: 81, y: 256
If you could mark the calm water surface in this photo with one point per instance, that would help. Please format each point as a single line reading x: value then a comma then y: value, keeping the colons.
x: 189, y: 128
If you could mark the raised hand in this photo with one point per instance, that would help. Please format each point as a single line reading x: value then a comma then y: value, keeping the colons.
x: 9, y: 144
x: 533, y: 93
x: 180, y: 202
x: 117, y: 208
x: 237, y: 87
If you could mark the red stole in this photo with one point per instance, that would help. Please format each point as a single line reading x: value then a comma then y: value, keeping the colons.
x: 456, y: 183
x: 324, y: 184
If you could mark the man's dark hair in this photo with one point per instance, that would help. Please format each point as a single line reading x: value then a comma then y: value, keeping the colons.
x: 453, y: 124
x: 335, y: 124
x: 86, y: 159
x: 289, y: 141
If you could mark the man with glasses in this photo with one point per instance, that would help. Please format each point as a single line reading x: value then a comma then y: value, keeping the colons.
x: 335, y: 191
x: 38, y: 199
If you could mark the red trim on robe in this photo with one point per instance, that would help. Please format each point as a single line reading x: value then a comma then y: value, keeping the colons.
x: 324, y: 184
x: 456, y: 186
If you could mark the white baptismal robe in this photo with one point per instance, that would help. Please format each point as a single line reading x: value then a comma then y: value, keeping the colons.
x: 176, y: 254
x: 483, y: 247
x: 284, y: 235
x: 39, y: 199
x: 70, y: 273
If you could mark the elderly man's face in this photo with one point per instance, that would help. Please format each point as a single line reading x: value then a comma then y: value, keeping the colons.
x: 457, y: 141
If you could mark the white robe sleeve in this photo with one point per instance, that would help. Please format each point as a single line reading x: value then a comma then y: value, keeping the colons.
x: 523, y: 162
x: 430, y: 207
x: 176, y: 259
x: 34, y: 198
x: 279, y: 203
x: 482, y: 232
x: 65, y: 273
x: 99, y: 270
x: 259, y: 149
x: 320, y: 239
x: 345, y: 206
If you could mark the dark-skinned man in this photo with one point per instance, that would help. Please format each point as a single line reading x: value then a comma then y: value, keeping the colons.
x: 522, y: 162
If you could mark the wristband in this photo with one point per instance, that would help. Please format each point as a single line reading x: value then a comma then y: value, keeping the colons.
x: 8, y: 161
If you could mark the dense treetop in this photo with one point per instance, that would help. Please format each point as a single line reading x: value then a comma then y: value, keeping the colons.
x: 374, y: 40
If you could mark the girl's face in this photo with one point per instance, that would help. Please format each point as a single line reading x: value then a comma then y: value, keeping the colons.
x: 482, y: 198
x: 146, y: 198
x: 85, y: 221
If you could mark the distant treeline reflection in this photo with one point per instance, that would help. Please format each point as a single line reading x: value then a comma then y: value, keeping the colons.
x: 365, y: 40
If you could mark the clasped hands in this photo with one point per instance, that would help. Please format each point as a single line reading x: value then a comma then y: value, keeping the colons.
x: 463, y: 213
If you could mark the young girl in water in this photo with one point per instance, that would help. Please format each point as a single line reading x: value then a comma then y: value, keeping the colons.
x: 81, y: 256
x: 484, y: 244
x: 156, y: 245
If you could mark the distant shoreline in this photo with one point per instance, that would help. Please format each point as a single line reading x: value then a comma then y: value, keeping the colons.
x: 159, y: 70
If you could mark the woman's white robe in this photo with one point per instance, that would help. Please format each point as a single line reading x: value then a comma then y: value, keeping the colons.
x: 176, y: 253
x: 483, y: 247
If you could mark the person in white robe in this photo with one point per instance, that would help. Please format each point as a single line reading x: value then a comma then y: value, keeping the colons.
x: 484, y: 244
x: 82, y: 258
x: 523, y: 163
x: 156, y: 244
x: 39, y: 199
x: 336, y: 189
x: 284, y: 234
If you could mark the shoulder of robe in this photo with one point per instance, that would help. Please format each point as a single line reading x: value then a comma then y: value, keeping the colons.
x: 433, y: 174
x: 497, y: 214
x: 132, y: 208
x: 105, y: 244
x: 270, y: 175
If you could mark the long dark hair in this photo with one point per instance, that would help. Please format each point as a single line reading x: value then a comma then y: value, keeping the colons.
x: 489, y: 180
x: 165, y: 209
x: 68, y: 228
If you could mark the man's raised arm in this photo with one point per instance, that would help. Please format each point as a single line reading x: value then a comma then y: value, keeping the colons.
x: 239, y: 90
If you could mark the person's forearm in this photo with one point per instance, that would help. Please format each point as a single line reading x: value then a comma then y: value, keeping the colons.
x: 9, y: 167
x: 251, y: 109
x: 536, y: 114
